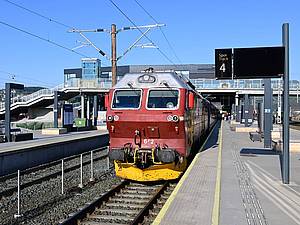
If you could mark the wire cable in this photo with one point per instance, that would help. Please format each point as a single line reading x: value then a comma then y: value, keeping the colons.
x: 43, y: 39
x: 46, y: 18
x: 133, y: 23
x: 163, y: 33
x: 28, y: 78
x: 38, y: 14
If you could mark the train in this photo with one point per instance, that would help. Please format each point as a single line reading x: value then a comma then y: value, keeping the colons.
x: 155, y: 120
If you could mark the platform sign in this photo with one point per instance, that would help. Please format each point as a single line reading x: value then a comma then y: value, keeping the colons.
x: 223, y: 63
x: 257, y: 63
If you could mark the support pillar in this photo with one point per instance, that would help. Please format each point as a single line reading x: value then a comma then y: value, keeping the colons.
x: 95, y: 109
x: 7, y: 111
x: 88, y: 108
x: 82, y: 106
x: 286, y: 106
x: 55, y: 108
x: 268, y: 124
x: 246, y: 110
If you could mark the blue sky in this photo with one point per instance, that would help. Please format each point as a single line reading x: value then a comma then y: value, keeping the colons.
x: 194, y: 28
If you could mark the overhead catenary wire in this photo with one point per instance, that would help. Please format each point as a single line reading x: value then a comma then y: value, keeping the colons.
x: 17, y: 76
x: 38, y: 14
x: 134, y: 24
x: 163, y: 33
x: 42, y: 38
x: 48, y: 19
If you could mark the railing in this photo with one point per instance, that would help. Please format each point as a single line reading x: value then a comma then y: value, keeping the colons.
x: 73, y: 83
x: 103, y: 83
x: 240, y: 84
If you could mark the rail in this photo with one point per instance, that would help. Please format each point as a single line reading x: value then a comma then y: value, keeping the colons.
x: 37, y: 179
x: 123, y: 192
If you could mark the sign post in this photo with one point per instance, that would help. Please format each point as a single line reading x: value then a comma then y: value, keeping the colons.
x: 286, y: 132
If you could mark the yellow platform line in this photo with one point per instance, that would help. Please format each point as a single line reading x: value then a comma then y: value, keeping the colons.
x: 166, y: 206
x: 216, y: 208
x: 174, y: 193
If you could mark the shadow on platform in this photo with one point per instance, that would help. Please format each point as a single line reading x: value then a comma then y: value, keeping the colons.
x: 212, y: 141
x: 258, y: 151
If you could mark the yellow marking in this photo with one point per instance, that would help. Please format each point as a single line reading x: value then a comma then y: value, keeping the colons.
x: 216, y: 208
x: 174, y: 193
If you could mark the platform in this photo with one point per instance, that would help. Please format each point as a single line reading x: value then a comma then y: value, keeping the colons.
x: 47, y: 148
x: 235, y: 181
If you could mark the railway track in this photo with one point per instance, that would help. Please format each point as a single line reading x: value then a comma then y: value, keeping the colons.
x: 126, y: 203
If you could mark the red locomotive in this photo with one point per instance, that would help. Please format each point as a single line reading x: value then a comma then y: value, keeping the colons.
x: 154, y: 120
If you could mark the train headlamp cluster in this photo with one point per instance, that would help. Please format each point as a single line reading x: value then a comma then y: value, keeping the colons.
x: 173, y: 118
x: 146, y: 78
x: 111, y: 118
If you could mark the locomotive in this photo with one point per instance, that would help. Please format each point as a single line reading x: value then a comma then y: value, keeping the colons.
x: 155, y: 120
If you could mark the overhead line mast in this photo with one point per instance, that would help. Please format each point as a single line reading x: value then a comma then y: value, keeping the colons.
x: 113, y: 32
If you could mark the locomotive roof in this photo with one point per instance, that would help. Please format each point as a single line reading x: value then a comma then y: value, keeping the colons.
x: 162, y: 79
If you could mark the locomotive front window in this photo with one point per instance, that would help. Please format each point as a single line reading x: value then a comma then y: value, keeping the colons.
x: 163, y: 99
x: 129, y: 99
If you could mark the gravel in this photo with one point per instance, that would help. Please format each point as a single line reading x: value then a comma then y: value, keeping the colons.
x: 44, y: 204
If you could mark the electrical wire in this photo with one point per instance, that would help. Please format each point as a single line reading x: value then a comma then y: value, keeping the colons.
x: 28, y: 78
x: 163, y: 33
x: 46, y: 18
x: 133, y: 23
x: 43, y: 39
x: 38, y: 14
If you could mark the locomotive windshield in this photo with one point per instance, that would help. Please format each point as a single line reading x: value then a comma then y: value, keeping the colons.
x: 126, y: 99
x: 163, y: 99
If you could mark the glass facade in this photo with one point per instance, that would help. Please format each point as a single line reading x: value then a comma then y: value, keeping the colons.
x: 91, y: 68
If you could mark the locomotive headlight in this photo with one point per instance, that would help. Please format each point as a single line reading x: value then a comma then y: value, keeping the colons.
x: 110, y: 118
x: 172, y: 118
x: 169, y: 118
x: 175, y: 118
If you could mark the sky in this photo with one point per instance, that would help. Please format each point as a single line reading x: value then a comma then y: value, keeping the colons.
x: 193, y: 28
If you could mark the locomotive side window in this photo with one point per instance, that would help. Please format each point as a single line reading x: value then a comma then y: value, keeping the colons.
x: 162, y: 99
x: 126, y: 99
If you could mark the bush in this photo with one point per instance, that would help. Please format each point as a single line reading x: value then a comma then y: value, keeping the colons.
x: 35, y: 125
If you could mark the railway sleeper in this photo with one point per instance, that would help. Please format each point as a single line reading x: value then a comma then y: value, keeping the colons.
x: 126, y: 201
x: 110, y: 218
x: 133, y: 196
x: 120, y: 212
x: 138, y: 188
x: 114, y: 205
x: 135, y: 192
x: 97, y: 223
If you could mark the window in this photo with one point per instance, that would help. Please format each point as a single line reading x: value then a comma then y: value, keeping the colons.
x: 126, y: 99
x: 163, y: 99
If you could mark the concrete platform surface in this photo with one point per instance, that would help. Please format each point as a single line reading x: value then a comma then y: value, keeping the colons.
x: 41, y: 140
x: 250, y: 192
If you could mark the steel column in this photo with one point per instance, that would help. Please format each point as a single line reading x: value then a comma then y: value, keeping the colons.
x: 286, y: 132
x: 268, y: 124
x: 82, y: 106
x: 55, y: 109
x: 95, y: 108
x: 7, y: 111
x: 246, y: 109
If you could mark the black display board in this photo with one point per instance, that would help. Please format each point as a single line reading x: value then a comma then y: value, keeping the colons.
x: 256, y: 63
x: 223, y: 63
